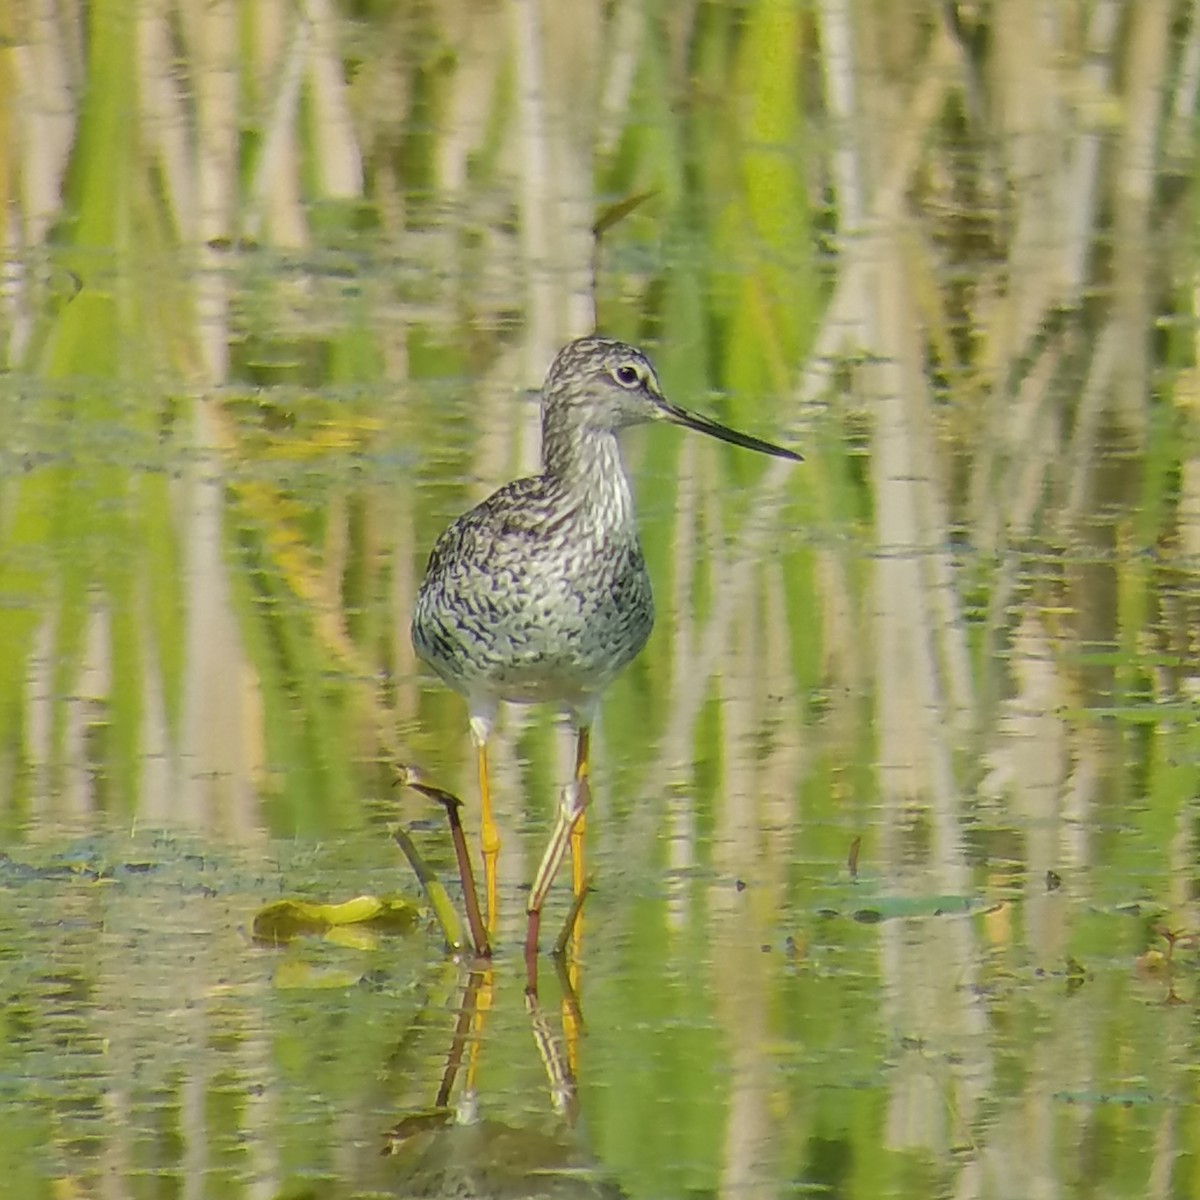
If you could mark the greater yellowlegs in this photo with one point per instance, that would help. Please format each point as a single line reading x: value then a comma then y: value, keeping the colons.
x: 541, y: 593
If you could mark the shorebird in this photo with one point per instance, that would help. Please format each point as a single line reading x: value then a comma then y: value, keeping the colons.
x: 540, y: 593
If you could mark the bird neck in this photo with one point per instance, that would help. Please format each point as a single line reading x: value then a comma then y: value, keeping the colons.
x: 587, y: 463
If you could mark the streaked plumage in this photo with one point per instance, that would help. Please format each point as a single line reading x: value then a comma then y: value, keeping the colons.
x: 540, y: 593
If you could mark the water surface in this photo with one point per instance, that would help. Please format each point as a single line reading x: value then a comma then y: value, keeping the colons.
x: 894, y: 826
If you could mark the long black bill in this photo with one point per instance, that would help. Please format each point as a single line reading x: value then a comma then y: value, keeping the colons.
x: 692, y: 420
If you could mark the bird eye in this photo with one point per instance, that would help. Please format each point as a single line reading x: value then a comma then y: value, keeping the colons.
x: 628, y: 375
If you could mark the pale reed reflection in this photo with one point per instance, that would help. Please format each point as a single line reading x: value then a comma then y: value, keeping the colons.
x: 1029, y: 771
x: 678, y: 798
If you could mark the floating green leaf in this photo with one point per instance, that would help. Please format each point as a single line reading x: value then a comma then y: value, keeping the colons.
x: 285, y: 920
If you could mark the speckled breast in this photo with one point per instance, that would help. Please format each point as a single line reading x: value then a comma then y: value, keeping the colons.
x: 560, y: 628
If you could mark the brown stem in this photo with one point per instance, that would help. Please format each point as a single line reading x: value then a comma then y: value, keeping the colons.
x: 568, y: 927
x: 466, y: 1010
x: 412, y: 777
x: 466, y: 873
x: 531, y: 953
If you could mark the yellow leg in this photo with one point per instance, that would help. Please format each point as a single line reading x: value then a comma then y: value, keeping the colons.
x: 574, y: 800
x: 482, y: 1005
x: 567, y: 832
x: 583, y: 747
x: 570, y: 1010
x: 489, y: 836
